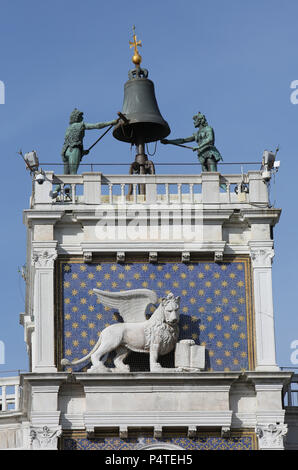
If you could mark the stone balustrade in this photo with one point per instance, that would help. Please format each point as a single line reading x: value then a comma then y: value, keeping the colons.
x: 206, y: 188
x: 291, y: 392
x: 10, y: 394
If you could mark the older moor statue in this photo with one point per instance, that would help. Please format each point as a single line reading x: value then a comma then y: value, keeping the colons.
x: 72, y: 151
x: 208, y: 154
x: 156, y: 336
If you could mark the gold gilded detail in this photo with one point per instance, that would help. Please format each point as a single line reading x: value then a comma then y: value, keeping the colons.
x: 136, y: 59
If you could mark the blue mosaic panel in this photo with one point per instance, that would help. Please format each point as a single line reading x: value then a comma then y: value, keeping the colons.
x: 215, y: 308
x: 245, y: 442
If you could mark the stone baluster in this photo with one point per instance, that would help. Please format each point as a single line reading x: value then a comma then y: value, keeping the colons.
x: 122, y: 193
x: 73, y: 192
x: 135, y: 196
x: 4, y: 398
x: 167, y: 193
x: 62, y: 192
x: 179, y: 193
x: 191, y: 194
x: 111, y: 193
x: 17, y: 397
x: 229, y: 192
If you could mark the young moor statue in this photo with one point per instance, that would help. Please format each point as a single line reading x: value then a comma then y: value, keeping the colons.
x: 208, y: 154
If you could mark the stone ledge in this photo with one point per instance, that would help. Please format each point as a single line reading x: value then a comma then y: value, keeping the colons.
x: 207, y: 419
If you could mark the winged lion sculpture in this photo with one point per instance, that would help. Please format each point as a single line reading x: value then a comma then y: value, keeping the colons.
x: 156, y: 336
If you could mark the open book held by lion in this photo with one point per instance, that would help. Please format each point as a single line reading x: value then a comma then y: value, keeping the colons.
x: 156, y: 336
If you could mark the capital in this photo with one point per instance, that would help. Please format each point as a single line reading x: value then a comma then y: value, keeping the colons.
x: 271, y: 436
x: 44, y: 258
x: 44, y: 438
x: 261, y: 255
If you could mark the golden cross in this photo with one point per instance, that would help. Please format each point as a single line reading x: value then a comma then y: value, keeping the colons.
x: 135, y: 43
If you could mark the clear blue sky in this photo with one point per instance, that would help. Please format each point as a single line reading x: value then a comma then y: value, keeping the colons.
x: 232, y: 60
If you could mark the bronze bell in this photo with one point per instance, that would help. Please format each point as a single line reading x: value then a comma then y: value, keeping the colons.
x: 140, y: 107
x: 141, y: 121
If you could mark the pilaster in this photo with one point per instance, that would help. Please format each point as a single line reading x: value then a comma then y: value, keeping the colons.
x: 269, y: 413
x: 43, y: 258
x: 261, y: 255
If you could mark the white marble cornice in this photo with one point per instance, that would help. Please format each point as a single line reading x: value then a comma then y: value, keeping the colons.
x: 144, y: 246
x: 255, y: 215
x: 35, y: 216
x: 201, y: 419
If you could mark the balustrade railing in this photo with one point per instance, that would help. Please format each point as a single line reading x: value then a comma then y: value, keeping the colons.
x: 10, y: 394
x: 207, y: 188
x: 291, y: 394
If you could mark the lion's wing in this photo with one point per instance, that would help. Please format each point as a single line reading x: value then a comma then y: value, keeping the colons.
x: 131, y: 304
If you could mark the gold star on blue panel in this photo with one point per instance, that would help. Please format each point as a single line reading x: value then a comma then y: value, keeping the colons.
x: 214, y: 309
x: 207, y: 442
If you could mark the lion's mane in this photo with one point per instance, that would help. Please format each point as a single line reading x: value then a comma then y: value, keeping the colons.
x: 162, y: 333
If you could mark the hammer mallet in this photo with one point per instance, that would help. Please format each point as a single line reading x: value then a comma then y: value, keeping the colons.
x: 121, y: 116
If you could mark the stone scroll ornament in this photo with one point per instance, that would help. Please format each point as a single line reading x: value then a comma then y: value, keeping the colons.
x: 156, y: 336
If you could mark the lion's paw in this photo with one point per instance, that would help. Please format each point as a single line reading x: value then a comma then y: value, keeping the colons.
x: 125, y: 368
x: 98, y: 369
x: 156, y: 367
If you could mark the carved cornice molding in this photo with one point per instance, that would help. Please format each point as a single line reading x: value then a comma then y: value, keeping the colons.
x: 35, y: 216
x: 158, y: 420
x: 261, y: 215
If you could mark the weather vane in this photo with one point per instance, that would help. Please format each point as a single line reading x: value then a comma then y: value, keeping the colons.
x: 136, y: 59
